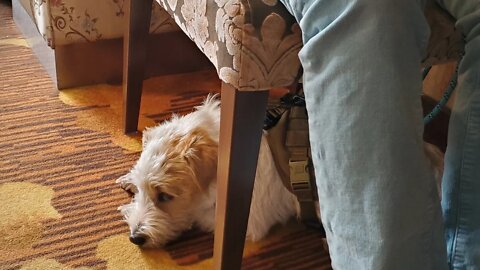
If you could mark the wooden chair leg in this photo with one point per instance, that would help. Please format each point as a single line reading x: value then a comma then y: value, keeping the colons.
x: 137, y: 27
x: 241, y: 122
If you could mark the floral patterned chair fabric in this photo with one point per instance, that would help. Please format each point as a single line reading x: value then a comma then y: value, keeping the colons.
x: 254, y: 43
x: 63, y: 22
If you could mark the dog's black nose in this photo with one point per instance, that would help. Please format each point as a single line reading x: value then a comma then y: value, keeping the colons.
x: 138, y: 239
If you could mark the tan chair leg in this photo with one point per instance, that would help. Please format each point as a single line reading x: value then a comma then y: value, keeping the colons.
x: 242, y: 115
x: 138, y: 13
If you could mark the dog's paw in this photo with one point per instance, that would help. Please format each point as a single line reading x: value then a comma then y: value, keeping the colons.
x: 126, y: 184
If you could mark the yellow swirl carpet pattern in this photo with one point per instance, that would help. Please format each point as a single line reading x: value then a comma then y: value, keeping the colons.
x: 60, y: 153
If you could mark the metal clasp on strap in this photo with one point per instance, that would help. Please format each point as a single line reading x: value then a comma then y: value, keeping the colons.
x: 300, y: 179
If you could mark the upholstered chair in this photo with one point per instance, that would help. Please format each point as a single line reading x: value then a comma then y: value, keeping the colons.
x: 79, y: 42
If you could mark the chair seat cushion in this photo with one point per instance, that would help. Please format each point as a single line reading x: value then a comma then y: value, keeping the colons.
x: 63, y: 22
x: 253, y: 44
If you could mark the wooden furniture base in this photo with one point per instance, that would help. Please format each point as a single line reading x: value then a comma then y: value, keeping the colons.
x: 97, y: 62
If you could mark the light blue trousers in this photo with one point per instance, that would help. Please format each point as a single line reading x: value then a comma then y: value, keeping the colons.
x: 379, y: 203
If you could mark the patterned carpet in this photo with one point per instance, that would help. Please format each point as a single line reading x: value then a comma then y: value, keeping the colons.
x: 60, y: 154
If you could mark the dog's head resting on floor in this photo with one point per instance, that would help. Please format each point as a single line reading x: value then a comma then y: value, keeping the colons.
x: 174, y: 179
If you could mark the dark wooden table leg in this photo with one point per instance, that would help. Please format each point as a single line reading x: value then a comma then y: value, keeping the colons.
x: 242, y: 115
x: 138, y: 13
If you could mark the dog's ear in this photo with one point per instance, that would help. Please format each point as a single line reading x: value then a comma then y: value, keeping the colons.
x: 200, y: 152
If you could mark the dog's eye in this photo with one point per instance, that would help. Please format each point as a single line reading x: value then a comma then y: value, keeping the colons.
x: 164, y: 197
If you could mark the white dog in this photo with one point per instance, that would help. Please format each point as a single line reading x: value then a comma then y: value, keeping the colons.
x: 174, y: 181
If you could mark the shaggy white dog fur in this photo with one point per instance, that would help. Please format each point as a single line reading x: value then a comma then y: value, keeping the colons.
x: 174, y: 181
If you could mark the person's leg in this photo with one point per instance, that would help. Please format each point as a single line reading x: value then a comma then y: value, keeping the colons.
x: 379, y: 202
x: 461, y: 180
